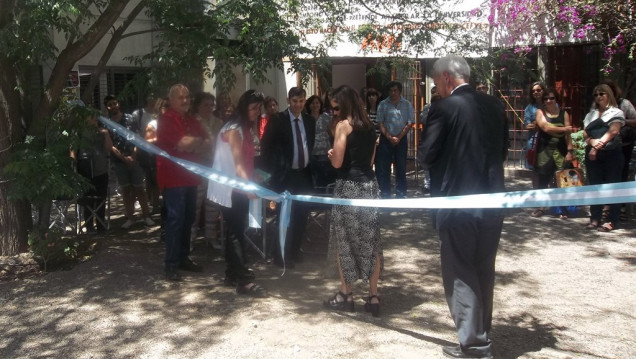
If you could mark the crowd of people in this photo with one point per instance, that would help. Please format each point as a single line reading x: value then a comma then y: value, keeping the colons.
x: 609, y: 130
x: 353, y: 142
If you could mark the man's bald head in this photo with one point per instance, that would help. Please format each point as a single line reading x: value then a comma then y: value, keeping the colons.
x: 179, y: 98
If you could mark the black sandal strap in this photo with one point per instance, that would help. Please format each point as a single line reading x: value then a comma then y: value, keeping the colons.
x: 334, y: 299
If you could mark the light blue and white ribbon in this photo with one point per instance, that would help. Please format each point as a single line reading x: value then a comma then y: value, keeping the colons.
x: 573, y: 196
x: 624, y: 192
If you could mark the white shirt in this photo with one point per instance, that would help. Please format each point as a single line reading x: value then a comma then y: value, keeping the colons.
x: 304, y: 139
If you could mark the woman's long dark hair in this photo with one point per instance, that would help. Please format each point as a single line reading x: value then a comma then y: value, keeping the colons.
x: 372, y: 91
x: 247, y: 98
x: 350, y: 104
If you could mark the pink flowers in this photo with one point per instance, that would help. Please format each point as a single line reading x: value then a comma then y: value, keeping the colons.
x: 523, y: 23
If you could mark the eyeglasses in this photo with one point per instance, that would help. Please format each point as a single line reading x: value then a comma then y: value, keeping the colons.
x: 537, y: 90
x: 552, y: 98
x: 599, y: 94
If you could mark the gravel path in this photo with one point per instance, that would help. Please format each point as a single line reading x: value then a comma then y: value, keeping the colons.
x: 561, y: 292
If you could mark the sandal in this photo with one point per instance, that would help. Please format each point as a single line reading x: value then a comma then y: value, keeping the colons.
x: 606, y: 227
x: 605, y: 215
x: 373, y: 308
x: 563, y: 216
x: 591, y: 225
x: 340, y: 301
x: 538, y: 213
x: 252, y: 290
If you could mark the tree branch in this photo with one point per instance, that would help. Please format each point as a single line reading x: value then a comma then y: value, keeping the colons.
x: 118, y: 34
x: 71, y: 54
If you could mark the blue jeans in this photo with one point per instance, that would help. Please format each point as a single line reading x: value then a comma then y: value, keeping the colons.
x: 384, y: 156
x: 179, y: 204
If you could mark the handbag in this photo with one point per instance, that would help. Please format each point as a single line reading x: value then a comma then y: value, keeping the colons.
x: 569, y: 177
x: 597, y: 128
x: 531, y: 154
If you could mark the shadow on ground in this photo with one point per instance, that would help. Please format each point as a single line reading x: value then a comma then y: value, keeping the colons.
x: 118, y: 305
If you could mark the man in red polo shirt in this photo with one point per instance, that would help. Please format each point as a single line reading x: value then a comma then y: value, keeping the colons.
x: 181, y: 135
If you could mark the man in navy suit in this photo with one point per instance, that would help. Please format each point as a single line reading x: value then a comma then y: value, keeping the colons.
x: 465, y: 143
x: 286, y: 147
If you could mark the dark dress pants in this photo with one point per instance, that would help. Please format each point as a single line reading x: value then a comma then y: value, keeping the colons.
x: 386, y: 155
x: 607, y: 168
x: 296, y: 182
x: 179, y: 204
x: 236, y: 219
x: 468, y: 251
x: 627, y: 158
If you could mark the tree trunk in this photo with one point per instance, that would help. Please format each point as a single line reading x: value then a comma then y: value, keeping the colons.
x: 14, y: 224
x: 15, y: 216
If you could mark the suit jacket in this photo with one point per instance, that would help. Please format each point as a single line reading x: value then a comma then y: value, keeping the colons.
x: 277, y: 146
x: 465, y: 143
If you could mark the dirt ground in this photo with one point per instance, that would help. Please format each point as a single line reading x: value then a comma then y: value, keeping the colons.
x: 561, y: 292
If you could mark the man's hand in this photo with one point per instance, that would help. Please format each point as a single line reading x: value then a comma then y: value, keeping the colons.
x: 129, y: 160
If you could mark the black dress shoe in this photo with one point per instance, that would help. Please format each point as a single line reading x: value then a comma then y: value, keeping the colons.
x: 288, y: 264
x: 457, y: 352
x: 298, y: 257
x: 172, y: 274
x: 190, y: 266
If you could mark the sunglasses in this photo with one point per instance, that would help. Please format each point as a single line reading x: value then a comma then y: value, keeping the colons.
x: 537, y: 90
x: 552, y: 98
x: 599, y: 94
x: 336, y: 108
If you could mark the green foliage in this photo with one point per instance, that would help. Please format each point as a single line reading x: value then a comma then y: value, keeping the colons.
x: 514, y: 68
x: 248, y: 33
x: 41, y: 169
x: 51, y: 247
x: 578, y: 145
x: 27, y: 39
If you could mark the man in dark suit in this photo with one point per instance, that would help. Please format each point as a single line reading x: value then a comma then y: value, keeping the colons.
x: 286, y: 146
x: 464, y: 146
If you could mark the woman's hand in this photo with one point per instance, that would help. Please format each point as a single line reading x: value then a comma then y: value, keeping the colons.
x: 330, y: 153
x: 597, y: 144
x: 570, y: 129
x: 592, y: 154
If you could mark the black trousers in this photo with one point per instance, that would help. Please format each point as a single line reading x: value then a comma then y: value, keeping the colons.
x: 236, y: 219
x: 468, y: 252
x: 606, y: 168
x: 296, y: 182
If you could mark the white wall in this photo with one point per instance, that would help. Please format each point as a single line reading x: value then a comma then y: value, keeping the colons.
x: 275, y: 87
x: 353, y: 75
